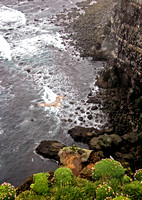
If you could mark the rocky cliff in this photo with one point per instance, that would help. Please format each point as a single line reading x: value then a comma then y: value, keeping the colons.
x: 112, y: 30
x: 126, y: 28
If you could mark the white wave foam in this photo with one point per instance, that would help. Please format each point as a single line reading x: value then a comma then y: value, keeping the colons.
x: 32, y: 46
x: 11, y: 17
x: 5, y: 51
x: 48, y: 95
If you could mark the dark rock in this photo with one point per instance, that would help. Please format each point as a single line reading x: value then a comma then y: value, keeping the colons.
x: 49, y: 149
x: 25, y: 186
x: 130, y: 137
x: 116, y: 139
x: 90, y: 117
x: 93, y: 100
x: 80, y: 118
x: 94, y: 108
x: 82, y: 111
x: 94, y: 144
x: 69, y: 120
x: 82, y: 134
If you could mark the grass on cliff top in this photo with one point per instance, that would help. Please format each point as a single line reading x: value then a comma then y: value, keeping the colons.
x: 63, y: 185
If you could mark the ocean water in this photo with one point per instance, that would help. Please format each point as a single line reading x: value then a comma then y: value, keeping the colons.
x: 36, y: 65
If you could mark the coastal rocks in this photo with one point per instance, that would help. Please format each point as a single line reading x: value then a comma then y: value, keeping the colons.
x: 49, y: 149
x: 92, y: 30
x: 105, y: 142
x: 25, y: 186
x: 82, y: 134
x: 78, y: 160
x: 109, y: 78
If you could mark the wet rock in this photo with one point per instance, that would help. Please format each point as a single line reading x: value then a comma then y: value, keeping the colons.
x: 70, y: 120
x: 90, y: 117
x: 93, y: 28
x: 49, y: 149
x: 80, y: 118
x: 94, y: 107
x: 93, y: 100
x: 82, y: 111
x: 28, y: 70
x: 82, y: 134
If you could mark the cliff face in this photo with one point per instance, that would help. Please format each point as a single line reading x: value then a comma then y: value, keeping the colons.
x: 126, y: 29
x: 123, y: 79
x: 120, y: 42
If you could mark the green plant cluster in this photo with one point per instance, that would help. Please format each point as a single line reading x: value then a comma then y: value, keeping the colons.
x: 7, y: 191
x: 63, y: 176
x: 104, y: 192
x: 138, y: 175
x: 126, y: 179
x: 133, y: 190
x: 41, y: 183
x: 65, y: 186
x: 108, y: 168
x: 121, y: 198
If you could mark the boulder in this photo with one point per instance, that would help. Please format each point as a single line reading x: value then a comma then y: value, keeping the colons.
x: 74, y: 158
x: 49, y: 149
x: 82, y: 134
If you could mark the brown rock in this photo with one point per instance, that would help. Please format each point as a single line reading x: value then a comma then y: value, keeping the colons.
x: 73, y: 158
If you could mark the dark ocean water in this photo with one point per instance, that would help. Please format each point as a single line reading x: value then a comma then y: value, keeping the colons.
x: 36, y: 66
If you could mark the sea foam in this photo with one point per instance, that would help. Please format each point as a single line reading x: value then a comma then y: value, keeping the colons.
x: 11, y: 17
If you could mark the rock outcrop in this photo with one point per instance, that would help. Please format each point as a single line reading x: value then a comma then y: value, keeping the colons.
x: 49, y: 149
x: 80, y: 161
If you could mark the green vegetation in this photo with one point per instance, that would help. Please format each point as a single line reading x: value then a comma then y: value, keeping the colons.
x: 63, y: 185
x: 134, y: 190
x: 121, y: 198
x: 63, y: 176
x: 104, y: 192
x: 126, y: 179
x: 108, y: 168
x: 30, y: 195
x: 138, y: 175
x: 41, y: 183
x: 7, y: 191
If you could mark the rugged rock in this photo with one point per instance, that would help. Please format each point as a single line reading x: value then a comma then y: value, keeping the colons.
x: 25, y: 186
x: 92, y: 30
x: 111, y: 30
x: 49, y: 149
x: 80, y: 161
x: 82, y: 134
